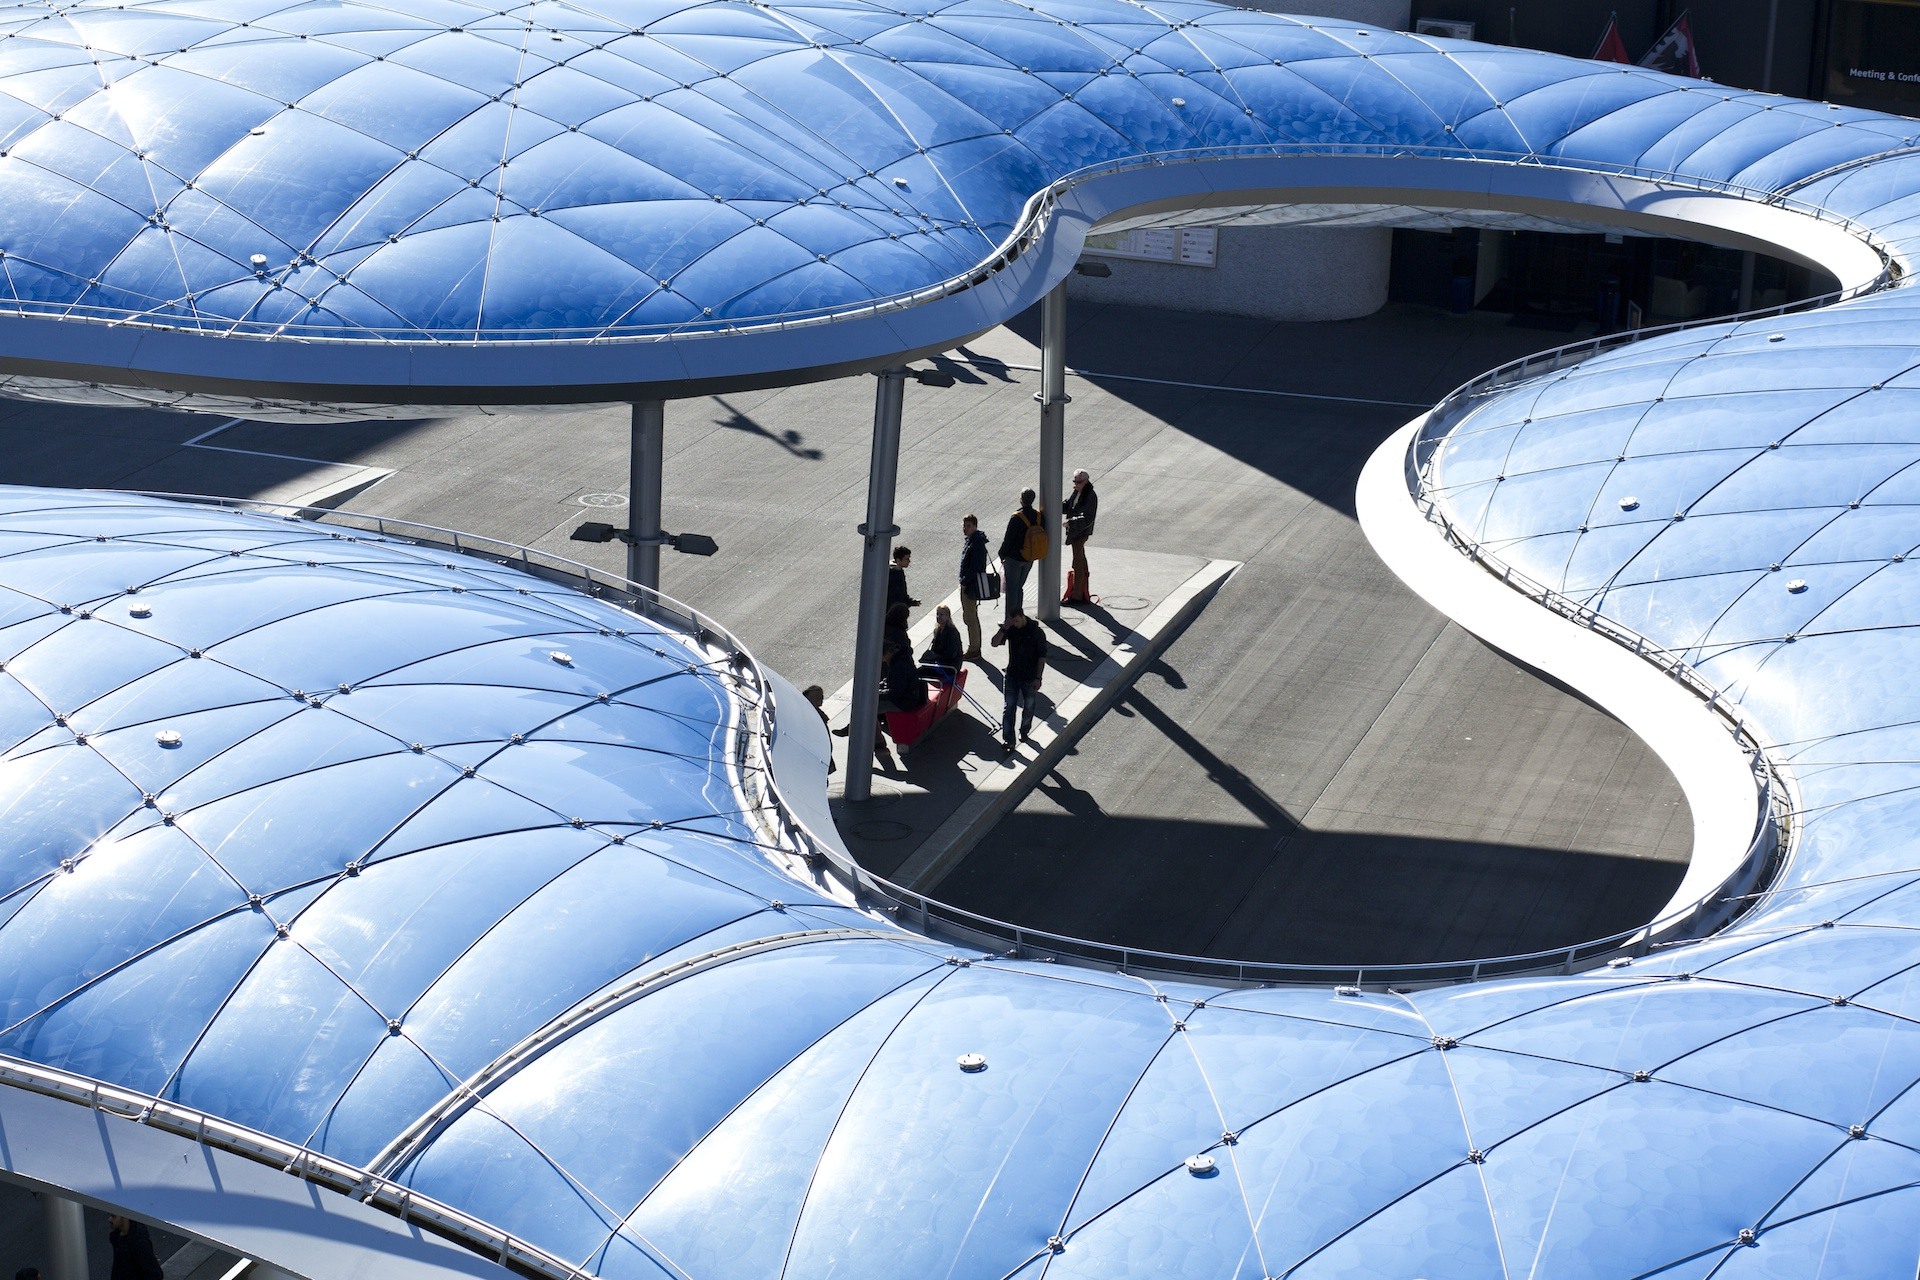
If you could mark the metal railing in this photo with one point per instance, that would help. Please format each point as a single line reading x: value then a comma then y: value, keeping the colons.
x: 1773, y: 837
x: 1027, y: 230
x: 903, y: 906
x: 312, y: 1166
x: 1457, y: 403
x: 791, y: 835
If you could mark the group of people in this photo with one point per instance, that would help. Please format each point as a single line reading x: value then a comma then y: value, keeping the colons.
x: 1025, y: 541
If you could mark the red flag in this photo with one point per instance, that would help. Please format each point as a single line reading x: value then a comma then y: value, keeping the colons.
x: 1611, y: 47
x: 1673, y: 51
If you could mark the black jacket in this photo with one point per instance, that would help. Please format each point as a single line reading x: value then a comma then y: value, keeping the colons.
x: 973, y: 557
x: 945, y: 650
x: 905, y: 689
x: 1015, y: 540
x: 1026, y: 652
x: 1077, y: 512
x: 897, y: 586
x: 133, y: 1256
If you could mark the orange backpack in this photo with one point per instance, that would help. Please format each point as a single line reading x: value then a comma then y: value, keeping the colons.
x: 1035, y: 546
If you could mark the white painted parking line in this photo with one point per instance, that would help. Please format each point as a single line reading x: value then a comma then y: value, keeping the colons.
x: 1091, y: 375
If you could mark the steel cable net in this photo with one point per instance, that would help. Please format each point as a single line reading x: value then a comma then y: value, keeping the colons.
x: 424, y: 864
x: 767, y: 1090
x: 455, y: 171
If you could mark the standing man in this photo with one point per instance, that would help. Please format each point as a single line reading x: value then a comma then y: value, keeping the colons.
x: 1019, y: 549
x: 133, y: 1256
x: 1026, y: 661
x: 1077, y: 514
x: 897, y: 592
x: 973, y: 567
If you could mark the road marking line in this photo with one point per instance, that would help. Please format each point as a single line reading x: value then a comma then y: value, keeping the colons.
x: 1198, y: 386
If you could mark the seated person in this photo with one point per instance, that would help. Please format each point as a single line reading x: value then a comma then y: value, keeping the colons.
x: 942, y: 659
x: 901, y: 688
x: 896, y: 628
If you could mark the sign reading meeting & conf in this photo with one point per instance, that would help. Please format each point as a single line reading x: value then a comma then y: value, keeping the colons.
x: 561, y: 971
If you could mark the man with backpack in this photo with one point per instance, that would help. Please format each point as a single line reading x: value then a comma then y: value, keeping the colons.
x: 1023, y: 545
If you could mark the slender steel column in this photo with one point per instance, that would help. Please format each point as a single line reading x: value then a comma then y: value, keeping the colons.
x: 1053, y: 444
x: 645, y: 463
x: 66, y: 1228
x: 878, y: 532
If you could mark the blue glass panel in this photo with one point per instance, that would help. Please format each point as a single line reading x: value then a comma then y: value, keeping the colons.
x: 545, y: 277
x: 1164, y: 1228
x: 1011, y: 1151
x: 395, y: 928
x: 282, y: 1048
x: 120, y: 899
x: 300, y: 201
x: 434, y: 103
x: 573, y: 937
x: 396, y: 1086
x: 133, y: 1026
x: 1735, y: 1159
x: 1869, y: 1222
x: 485, y: 1166
x: 1361, y: 1155
x: 673, y: 234
x: 633, y: 1060
x: 1447, y: 1228
x: 732, y: 1204
x: 337, y: 813
x: 88, y: 659
x: 53, y: 805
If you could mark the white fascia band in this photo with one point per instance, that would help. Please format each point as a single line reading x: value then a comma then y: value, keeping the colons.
x: 1700, y: 748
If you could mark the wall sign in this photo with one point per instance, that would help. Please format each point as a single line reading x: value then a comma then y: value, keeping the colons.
x: 1184, y: 246
x: 1873, y: 53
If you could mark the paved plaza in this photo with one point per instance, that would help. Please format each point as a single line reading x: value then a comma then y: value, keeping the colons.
x: 1319, y: 769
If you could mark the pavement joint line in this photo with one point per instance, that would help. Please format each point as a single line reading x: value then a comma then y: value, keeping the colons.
x: 208, y: 435
x: 359, y: 478
x: 1094, y: 376
x: 1000, y: 790
x: 284, y: 457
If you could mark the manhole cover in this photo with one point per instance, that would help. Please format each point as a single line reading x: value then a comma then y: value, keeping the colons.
x: 602, y: 499
x: 881, y: 829
x: 1111, y: 603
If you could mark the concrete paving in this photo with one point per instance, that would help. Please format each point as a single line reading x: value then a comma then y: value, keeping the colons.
x: 933, y: 803
x: 1291, y: 780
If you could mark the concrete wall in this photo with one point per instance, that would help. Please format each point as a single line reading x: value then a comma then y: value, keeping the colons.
x: 1272, y: 273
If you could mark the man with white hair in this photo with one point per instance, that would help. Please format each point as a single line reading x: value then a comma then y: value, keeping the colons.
x: 1076, y: 516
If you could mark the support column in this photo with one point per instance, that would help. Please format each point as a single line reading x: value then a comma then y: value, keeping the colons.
x: 1745, y: 300
x: 645, y: 463
x: 1053, y: 445
x: 66, y: 1228
x: 878, y: 532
